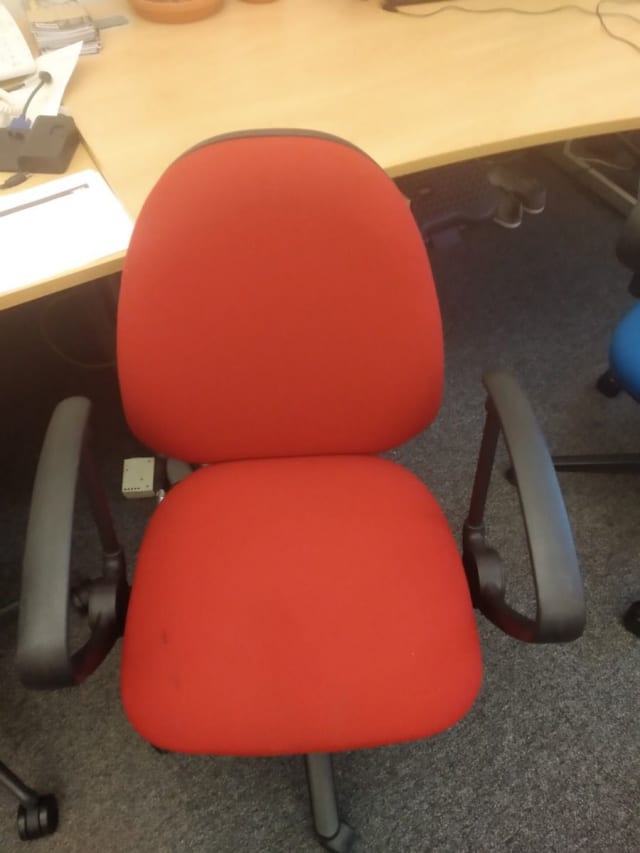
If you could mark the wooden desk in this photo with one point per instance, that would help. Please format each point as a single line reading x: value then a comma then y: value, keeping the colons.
x: 412, y: 92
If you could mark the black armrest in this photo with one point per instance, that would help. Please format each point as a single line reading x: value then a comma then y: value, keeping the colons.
x: 560, y: 604
x: 43, y: 658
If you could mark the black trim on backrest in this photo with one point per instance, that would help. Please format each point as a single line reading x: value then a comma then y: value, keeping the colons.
x: 277, y: 131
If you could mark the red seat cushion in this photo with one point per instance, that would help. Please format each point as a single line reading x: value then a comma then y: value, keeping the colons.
x: 298, y: 605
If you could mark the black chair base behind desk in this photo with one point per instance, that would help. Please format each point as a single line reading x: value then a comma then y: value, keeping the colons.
x: 601, y: 463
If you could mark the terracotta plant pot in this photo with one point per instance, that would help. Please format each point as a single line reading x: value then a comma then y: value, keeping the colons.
x: 178, y: 12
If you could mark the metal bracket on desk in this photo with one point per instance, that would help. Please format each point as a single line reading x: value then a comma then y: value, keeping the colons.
x: 584, y: 170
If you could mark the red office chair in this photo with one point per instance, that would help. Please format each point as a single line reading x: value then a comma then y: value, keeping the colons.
x: 297, y: 593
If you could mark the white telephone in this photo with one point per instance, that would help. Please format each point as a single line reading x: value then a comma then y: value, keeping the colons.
x: 16, y: 59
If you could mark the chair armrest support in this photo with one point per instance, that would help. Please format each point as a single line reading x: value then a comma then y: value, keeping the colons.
x: 560, y: 602
x: 44, y: 659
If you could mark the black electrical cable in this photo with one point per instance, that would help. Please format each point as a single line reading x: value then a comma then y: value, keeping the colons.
x: 14, y: 180
x: 45, y: 77
x: 601, y: 17
x: 598, y: 12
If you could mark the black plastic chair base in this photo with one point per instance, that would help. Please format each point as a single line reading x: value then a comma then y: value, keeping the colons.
x: 622, y: 463
x: 608, y: 385
x: 341, y: 842
x: 38, y: 819
x: 333, y: 834
x: 631, y: 619
x: 37, y: 813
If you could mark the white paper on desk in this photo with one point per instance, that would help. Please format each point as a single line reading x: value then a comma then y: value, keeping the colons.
x: 57, y: 227
x: 60, y: 64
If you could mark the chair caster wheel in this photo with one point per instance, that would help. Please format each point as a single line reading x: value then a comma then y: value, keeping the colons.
x: 340, y: 842
x: 607, y: 385
x: 631, y: 618
x: 39, y: 818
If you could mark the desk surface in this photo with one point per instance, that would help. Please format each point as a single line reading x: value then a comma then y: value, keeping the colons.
x: 413, y: 92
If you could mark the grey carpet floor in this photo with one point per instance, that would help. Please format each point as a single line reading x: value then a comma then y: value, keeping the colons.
x: 549, y: 757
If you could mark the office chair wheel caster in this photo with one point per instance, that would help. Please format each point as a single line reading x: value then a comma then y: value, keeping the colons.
x: 38, y: 819
x: 340, y: 842
x: 607, y: 385
x: 631, y: 619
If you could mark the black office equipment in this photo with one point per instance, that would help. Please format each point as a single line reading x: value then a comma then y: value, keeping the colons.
x: 449, y: 198
x: 46, y: 147
x: 11, y: 142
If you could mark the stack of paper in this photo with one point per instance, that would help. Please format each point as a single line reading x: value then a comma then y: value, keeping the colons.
x: 42, y: 100
x: 57, y: 23
x: 62, y: 225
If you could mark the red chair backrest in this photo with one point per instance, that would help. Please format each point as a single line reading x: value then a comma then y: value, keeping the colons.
x: 277, y: 300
